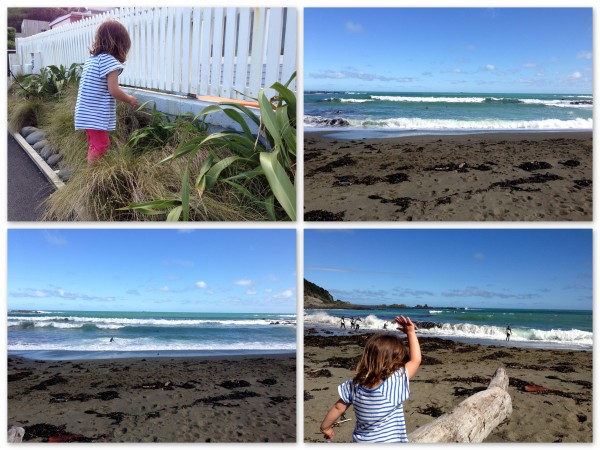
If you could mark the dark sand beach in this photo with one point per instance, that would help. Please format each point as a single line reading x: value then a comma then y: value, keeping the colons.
x: 250, y: 399
x: 452, y: 371
x: 480, y: 177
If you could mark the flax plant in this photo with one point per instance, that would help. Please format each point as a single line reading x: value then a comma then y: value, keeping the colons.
x: 242, y: 160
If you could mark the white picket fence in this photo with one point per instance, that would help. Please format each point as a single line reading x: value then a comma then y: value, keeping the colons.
x: 223, y: 52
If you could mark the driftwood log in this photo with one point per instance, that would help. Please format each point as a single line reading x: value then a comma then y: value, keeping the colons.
x: 473, y: 419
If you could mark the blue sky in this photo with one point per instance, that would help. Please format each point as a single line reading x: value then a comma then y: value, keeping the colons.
x: 518, y: 50
x: 462, y: 268
x: 152, y: 270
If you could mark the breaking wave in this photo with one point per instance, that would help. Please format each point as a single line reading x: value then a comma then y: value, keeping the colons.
x: 116, y: 323
x: 573, y: 337
x: 403, y: 123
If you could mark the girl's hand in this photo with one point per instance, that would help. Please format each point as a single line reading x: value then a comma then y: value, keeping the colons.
x: 133, y: 101
x: 328, y: 433
x: 406, y: 324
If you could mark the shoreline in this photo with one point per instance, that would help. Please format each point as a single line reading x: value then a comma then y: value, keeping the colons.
x: 536, y: 176
x: 452, y: 371
x: 337, y: 133
x: 162, y: 399
x: 166, y: 354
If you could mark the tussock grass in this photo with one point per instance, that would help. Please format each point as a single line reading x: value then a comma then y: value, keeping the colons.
x: 125, y: 175
x: 24, y: 113
x: 96, y: 192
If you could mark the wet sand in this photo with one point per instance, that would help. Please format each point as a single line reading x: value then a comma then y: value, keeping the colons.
x: 233, y: 399
x: 452, y: 371
x: 482, y: 177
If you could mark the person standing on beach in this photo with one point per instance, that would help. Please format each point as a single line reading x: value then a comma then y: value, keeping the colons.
x: 379, y: 387
x: 96, y: 107
x: 508, y: 332
x: 343, y: 323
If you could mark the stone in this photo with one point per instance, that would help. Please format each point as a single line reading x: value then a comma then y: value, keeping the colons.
x: 54, y: 159
x: 39, y: 145
x: 26, y: 131
x: 65, y: 173
x: 35, y: 137
x: 48, y: 151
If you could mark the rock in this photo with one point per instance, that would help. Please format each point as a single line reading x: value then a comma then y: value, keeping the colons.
x: 54, y: 159
x: 26, y: 131
x: 40, y: 145
x: 48, y: 151
x: 35, y: 137
x: 326, y: 122
x: 65, y: 173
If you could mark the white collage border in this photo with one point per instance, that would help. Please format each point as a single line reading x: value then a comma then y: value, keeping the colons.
x: 300, y: 225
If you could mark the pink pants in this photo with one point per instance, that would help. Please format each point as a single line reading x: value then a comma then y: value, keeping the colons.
x: 98, y: 142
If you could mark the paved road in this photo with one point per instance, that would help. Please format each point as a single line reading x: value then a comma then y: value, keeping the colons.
x: 27, y: 186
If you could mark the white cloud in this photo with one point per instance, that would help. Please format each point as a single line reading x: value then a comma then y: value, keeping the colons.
x: 490, y: 67
x: 288, y: 293
x: 243, y: 282
x: 476, y: 292
x: 529, y: 65
x: 164, y: 289
x: 576, y: 75
x: 201, y: 284
x: 354, y: 27
x: 251, y: 292
x: 351, y: 74
x: 584, y: 55
x: 53, y: 238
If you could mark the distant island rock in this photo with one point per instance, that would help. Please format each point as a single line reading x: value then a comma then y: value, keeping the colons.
x: 316, y: 297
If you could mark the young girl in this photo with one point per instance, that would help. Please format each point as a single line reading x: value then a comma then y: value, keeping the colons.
x: 95, y: 110
x: 379, y: 388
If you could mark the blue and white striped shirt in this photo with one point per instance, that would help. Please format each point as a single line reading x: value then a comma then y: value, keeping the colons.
x: 96, y: 109
x: 379, y: 411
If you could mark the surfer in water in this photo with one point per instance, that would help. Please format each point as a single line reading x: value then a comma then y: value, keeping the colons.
x: 508, y: 332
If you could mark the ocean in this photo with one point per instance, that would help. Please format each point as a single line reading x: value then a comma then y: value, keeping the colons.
x: 380, y: 114
x: 539, y: 328
x: 54, y: 335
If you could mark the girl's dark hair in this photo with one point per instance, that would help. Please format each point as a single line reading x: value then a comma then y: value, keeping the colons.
x: 383, y: 355
x: 112, y: 38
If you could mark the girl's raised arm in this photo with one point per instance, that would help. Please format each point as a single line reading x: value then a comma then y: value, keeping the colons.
x: 414, y: 348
